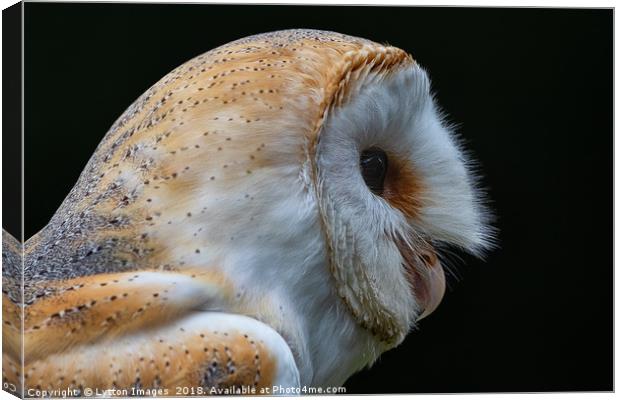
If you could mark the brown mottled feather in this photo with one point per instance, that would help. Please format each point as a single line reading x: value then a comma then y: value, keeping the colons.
x: 168, y: 358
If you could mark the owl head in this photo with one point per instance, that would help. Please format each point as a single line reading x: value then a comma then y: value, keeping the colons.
x: 311, y: 170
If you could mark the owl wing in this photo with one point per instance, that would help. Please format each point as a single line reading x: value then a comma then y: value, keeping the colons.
x: 146, y: 330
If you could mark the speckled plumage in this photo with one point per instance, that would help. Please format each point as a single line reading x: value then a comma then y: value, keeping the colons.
x: 144, y: 239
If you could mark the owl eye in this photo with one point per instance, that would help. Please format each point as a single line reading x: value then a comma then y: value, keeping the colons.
x: 374, y: 165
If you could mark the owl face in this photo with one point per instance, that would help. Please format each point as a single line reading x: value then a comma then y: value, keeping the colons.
x: 308, y: 172
x: 392, y: 184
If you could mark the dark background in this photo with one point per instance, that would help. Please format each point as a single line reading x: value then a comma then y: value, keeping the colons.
x: 531, y: 90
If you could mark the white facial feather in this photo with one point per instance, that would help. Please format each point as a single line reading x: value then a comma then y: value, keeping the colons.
x: 397, y: 114
x: 400, y: 115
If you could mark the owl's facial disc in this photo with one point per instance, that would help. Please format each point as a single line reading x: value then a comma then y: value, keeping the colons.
x: 392, y: 185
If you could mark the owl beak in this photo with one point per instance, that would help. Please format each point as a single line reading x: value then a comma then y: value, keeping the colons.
x: 430, y: 285
x: 425, y: 274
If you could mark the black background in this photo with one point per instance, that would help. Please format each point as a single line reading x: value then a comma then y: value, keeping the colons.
x: 11, y: 119
x: 531, y: 90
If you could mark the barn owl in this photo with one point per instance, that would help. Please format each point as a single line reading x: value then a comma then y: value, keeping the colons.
x: 267, y: 215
